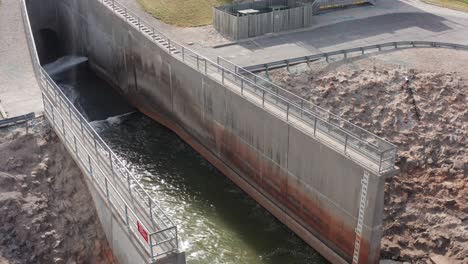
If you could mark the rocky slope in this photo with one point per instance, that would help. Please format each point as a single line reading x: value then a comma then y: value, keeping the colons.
x: 47, y: 213
x: 425, y: 113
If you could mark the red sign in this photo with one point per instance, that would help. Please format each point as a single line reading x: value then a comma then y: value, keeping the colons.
x: 142, y: 231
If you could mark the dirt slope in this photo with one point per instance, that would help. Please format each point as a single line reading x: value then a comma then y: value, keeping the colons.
x: 47, y: 213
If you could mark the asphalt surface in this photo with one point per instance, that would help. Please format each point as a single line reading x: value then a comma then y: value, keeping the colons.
x: 388, y: 21
x: 19, y: 91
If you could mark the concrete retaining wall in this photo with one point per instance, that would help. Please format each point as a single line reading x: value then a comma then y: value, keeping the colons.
x: 305, y: 184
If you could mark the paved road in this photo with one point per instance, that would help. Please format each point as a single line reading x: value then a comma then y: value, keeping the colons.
x: 19, y: 91
x: 388, y: 21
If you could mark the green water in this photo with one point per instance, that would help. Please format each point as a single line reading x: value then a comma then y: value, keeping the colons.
x: 218, y: 222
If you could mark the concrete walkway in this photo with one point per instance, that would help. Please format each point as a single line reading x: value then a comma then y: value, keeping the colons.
x: 19, y: 91
x: 389, y: 20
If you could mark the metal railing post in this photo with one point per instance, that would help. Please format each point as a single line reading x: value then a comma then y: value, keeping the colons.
x: 74, y: 140
x: 90, y: 166
x: 222, y: 75
x: 151, y: 246
x: 107, y: 187
x: 380, y: 162
x: 287, y: 112
x: 198, y: 63
x: 95, y: 145
x: 126, y: 214
x: 315, y: 126
x: 129, y: 185
x: 63, y: 129
x: 346, y: 144
x: 242, y: 86
x: 150, y: 205
x: 111, y: 164
x: 183, y: 53
x: 263, y: 98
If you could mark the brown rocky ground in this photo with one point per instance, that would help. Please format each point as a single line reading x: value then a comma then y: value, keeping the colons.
x: 47, y: 214
x: 416, y: 99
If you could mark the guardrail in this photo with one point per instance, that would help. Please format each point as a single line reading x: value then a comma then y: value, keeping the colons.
x: 145, y: 219
x: 362, y: 50
x: 16, y: 120
x: 349, y: 139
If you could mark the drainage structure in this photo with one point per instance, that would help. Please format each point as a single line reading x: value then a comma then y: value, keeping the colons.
x: 320, y: 175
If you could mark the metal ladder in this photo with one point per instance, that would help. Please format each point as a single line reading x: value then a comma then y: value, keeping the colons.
x: 362, y: 210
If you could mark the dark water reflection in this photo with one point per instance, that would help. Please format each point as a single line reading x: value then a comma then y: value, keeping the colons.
x: 218, y: 222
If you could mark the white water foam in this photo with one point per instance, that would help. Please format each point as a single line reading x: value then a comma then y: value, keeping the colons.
x: 63, y: 64
x: 102, y: 125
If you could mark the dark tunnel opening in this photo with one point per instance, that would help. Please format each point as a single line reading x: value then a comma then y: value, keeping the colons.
x: 48, y: 45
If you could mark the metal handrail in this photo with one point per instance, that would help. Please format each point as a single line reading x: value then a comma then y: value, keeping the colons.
x: 116, y: 165
x: 220, y: 73
x: 16, y: 119
x: 345, y: 52
x: 275, y: 90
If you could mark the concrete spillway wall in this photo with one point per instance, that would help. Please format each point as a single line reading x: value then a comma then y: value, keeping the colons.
x: 313, y: 189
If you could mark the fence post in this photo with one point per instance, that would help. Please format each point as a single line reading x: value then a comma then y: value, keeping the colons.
x: 287, y: 112
x: 206, y: 66
x: 183, y: 53
x: 198, y: 63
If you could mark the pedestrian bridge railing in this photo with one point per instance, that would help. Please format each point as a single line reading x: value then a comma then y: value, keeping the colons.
x: 144, y: 218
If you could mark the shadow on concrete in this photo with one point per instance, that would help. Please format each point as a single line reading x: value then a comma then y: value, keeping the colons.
x: 412, y: 20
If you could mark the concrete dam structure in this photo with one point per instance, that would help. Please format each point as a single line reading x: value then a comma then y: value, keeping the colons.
x: 321, y: 176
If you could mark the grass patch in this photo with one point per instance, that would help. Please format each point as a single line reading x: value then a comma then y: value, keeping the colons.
x: 461, y: 5
x: 183, y: 13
